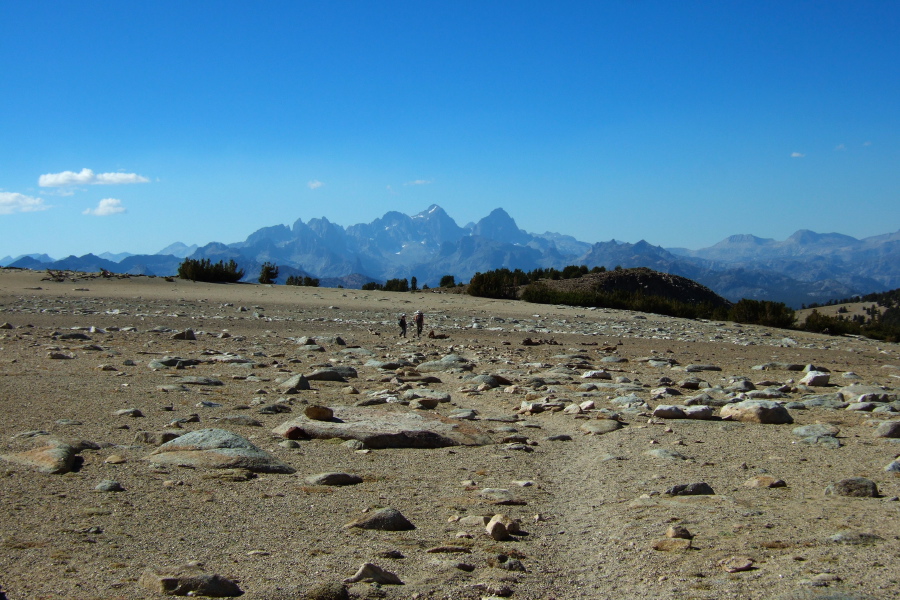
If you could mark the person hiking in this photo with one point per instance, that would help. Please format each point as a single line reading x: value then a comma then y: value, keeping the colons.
x: 419, y: 320
x: 402, y: 323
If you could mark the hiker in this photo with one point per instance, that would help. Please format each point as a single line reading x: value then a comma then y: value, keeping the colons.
x: 402, y: 323
x: 419, y: 320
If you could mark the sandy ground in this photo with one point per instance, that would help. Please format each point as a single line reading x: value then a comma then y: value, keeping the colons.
x: 590, y: 514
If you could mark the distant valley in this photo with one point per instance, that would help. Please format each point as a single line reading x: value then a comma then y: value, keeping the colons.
x: 807, y: 267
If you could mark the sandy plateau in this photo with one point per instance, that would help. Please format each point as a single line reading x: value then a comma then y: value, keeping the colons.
x: 579, y: 465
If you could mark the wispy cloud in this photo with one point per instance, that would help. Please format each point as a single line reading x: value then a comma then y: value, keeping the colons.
x: 840, y: 147
x: 314, y: 184
x: 419, y: 182
x: 12, y: 202
x: 106, y: 207
x: 867, y: 143
x: 797, y: 155
x: 88, y: 177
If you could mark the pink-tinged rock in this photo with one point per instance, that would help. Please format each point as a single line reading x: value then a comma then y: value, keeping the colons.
x: 764, y: 481
x: 55, y: 458
x: 668, y: 411
x: 816, y: 379
x: 735, y: 564
x: 757, y: 411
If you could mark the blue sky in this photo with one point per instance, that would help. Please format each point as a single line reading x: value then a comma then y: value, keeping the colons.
x: 127, y: 126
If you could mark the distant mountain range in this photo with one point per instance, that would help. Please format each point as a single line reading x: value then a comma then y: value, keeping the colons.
x: 807, y: 267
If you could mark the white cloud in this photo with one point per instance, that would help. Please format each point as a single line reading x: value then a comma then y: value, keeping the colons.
x: 106, y: 207
x: 12, y: 202
x: 315, y: 184
x: 119, y: 178
x: 88, y: 177
x: 840, y: 147
x: 419, y: 182
x: 797, y: 155
x: 867, y: 143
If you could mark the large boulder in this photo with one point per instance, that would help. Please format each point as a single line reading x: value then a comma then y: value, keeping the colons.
x: 386, y: 426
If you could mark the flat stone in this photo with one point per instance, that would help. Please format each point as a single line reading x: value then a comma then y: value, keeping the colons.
x: 334, y: 479
x: 387, y: 426
x: 665, y: 454
x: 856, y: 538
x: 194, y: 380
x: 817, y: 429
x: 217, y: 449
x: 828, y: 441
x: 449, y: 363
x: 239, y: 420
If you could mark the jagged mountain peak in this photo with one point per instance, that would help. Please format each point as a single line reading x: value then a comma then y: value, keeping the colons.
x: 432, y: 211
x: 501, y: 227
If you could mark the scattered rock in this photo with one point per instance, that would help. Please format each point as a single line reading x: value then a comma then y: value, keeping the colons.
x: 855, y: 487
x: 671, y: 544
x: 318, y: 413
x: 109, y: 485
x: 736, y: 564
x: 757, y: 411
x: 691, y: 489
x: 188, y: 580
x: 385, y: 519
x: 888, y: 429
x: 327, y: 591
x: 335, y: 479
x: 370, y: 573
x: 764, y: 481
x: 294, y: 384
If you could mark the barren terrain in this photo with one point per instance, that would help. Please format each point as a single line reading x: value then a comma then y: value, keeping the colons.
x: 593, y: 507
